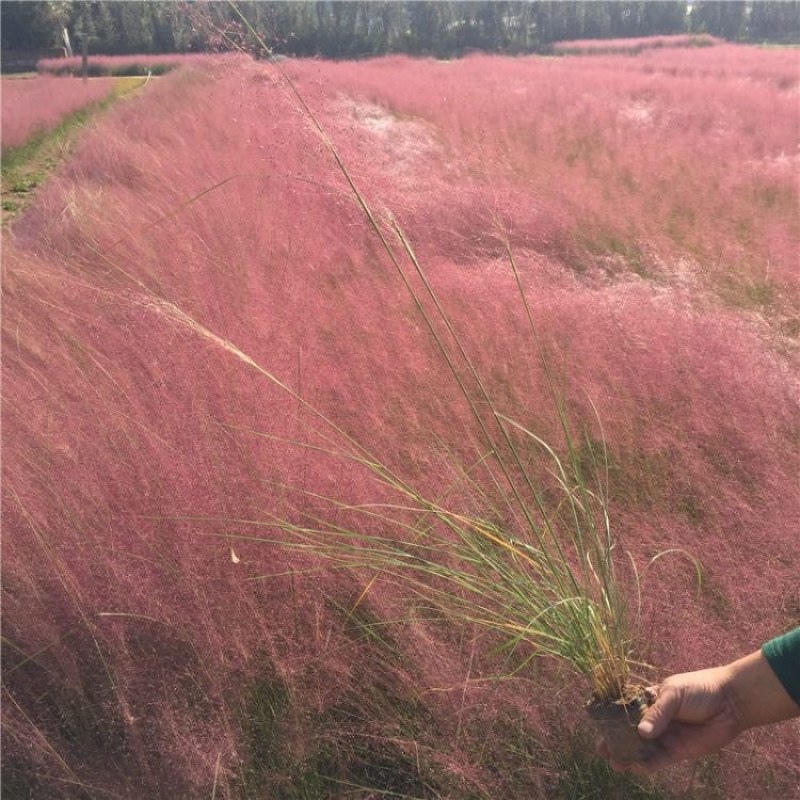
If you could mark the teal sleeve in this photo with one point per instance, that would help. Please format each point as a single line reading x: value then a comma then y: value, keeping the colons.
x: 783, y: 655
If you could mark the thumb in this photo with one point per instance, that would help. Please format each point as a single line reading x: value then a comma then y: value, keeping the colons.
x: 656, y: 718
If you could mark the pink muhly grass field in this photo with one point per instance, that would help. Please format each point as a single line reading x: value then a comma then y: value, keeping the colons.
x: 135, y: 64
x: 33, y: 105
x: 652, y: 218
x: 633, y: 44
x: 607, y: 163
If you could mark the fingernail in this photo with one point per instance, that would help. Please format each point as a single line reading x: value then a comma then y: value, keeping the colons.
x: 645, y: 727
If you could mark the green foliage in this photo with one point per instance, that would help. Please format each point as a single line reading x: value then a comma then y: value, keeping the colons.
x: 25, y: 185
x: 724, y: 18
x: 355, y: 29
x: 297, y: 755
x: 370, y: 767
x: 646, y: 480
x: 27, y: 166
x: 776, y: 197
x: 32, y: 25
x: 584, y: 778
x: 611, y: 244
x: 261, y: 723
x: 126, y: 84
x: 775, y: 21
x: 749, y: 293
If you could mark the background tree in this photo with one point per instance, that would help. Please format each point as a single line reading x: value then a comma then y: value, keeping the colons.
x: 348, y: 29
x: 775, y: 21
x: 663, y: 17
x: 32, y: 25
x: 724, y: 18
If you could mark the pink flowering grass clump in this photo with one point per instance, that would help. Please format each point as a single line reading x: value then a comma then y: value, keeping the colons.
x: 35, y: 105
x: 202, y: 336
x: 134, y: 64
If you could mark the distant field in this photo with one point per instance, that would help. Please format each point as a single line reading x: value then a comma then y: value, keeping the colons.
x: 136, y: 64
x: 159, y: 642
x: 41, y: 118
x: 34, y: 105
x: 631, y: 45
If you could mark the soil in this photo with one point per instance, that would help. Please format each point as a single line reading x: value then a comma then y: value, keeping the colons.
x: 616, y: 721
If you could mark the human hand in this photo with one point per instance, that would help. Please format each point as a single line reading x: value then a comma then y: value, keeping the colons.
x: 694, y: 714
x: 697, y: 713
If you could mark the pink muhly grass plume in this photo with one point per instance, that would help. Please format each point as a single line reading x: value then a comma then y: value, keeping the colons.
x: 35, y: 105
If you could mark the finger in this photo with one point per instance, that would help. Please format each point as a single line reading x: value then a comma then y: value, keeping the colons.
x: 656, y: 718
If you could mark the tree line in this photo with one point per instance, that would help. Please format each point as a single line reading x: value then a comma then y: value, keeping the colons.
x: 344, y: 29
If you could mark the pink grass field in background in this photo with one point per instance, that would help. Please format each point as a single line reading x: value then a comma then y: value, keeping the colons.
x: 33, y: 105
x: 135, y: 64
x: 157, y: 642
x: 650, y: 163
x: 632, y: 45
